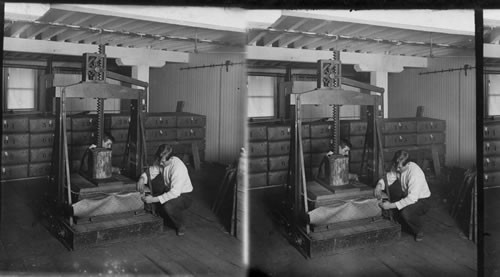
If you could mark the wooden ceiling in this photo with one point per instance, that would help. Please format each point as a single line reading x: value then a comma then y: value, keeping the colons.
x: 80, y: 27
x: 311, y: 33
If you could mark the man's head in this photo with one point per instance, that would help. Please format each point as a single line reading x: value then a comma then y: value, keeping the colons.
x: 400, y: 160
x: 107, y: 141
x: 344, y: 147
x: 163, y: 153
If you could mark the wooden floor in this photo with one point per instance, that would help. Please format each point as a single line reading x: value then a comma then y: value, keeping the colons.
x: 445, y: 251
x: 206, y: 249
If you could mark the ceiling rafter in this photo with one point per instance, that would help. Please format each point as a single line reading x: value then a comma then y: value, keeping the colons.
x: 52, y: 33
x: 306, y: 42
x: 45, y: 28
x: 256, y: 38
x: 17, y: 29
x: 290, y: 40
x: 79, y: 30
x: 280, y: 36
x: 366, y: 39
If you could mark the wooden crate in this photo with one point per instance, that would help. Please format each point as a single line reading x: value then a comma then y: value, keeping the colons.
x: 190, y: 120
x: 257, y: 132
x: 258, y: 164
x: 15, y: 141
x: 278, y: 148
x: 40, y: 155
x: 43, y: 140
x: 278, y: 132
x: 491, y: 179
x: 256, y: 180
x: 430, y: 138
x: 352, y: 127
x: 9, y: 172
x: 492, y: 130
x: 11, y: 124
x: 278, y: 163
x: 399, y: 125
x: 116, y: 121
x: 161, y: 134
x: 491, y: 148
x: 277, y: 177
x: 16, y: 156
x: 257, y: 149
x: 42, y: 125
x: 491, y: 163
x: 160, y: 120
x: 399, y: 140
x: 425, y: 125
x: 190, y: 133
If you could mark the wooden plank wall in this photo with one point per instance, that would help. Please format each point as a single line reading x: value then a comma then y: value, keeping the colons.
x: 211, y: 91
x: 450, y: 96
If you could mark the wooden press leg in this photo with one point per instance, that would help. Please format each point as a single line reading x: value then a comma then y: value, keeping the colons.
x: 196, y: 155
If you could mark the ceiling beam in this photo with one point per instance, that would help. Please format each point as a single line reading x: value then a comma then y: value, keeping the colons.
x: 365, y: 62
x: 129, y: 56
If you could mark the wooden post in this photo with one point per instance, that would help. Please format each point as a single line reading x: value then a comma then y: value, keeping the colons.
x: 65, y: 159
x: 302, y: 175
x: 196, y: 155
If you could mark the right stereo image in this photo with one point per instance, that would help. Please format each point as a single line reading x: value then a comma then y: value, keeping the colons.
x: 491, y: 143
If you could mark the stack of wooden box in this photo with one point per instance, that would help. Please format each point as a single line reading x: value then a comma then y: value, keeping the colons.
x: 491, y: 146
x: 269, y: 148
x: 415, y: 135
x: 27, y: 140
x: 15, y: 152
x: 177, y: 129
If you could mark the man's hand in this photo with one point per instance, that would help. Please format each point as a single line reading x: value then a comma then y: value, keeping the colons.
x: 115, y: 170
x: 377, y: 192
x: 386, y: 205
x: 149, y: 199
x: 140, y: 185
x: 353, y: 177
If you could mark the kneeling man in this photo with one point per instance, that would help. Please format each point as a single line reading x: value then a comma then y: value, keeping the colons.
x: 409, y: 192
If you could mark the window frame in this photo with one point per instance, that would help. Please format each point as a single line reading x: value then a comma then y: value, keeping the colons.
x: 486, y: 82
x: 275, y: 99
x: 36, y: 93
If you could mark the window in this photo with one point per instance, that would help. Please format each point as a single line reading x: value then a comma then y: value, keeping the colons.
x: 19, y: 89
x: 261, y: 96
x: 493, y: 95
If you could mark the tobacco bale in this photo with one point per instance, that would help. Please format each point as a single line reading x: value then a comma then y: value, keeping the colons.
x: 100, y: 164
x: 338, y: 170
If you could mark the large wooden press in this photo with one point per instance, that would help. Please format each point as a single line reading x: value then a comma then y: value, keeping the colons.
x: 314, y: 216
x: 108, y: 204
